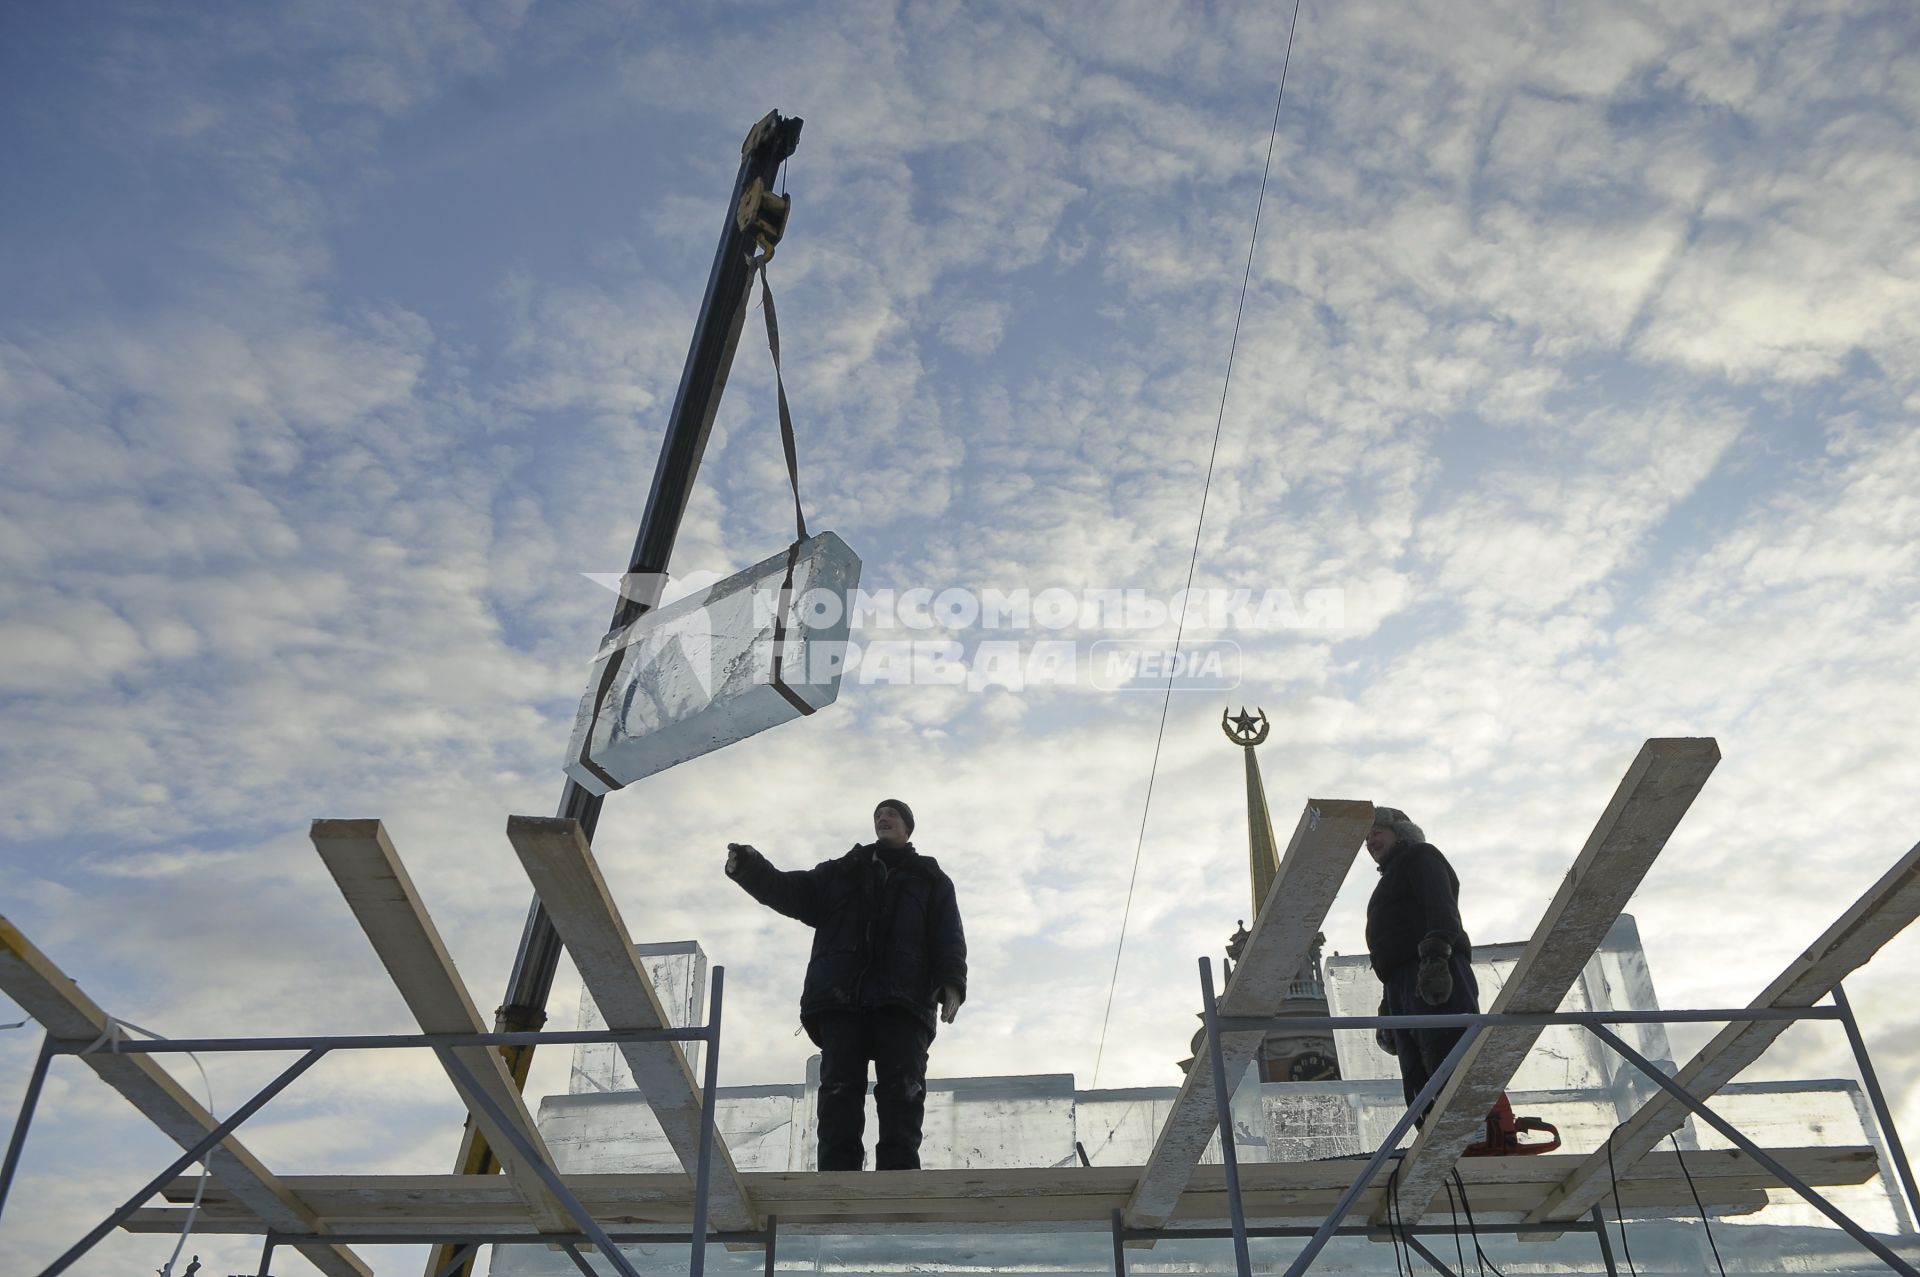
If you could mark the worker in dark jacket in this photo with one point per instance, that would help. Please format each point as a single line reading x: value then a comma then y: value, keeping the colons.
x: 1417, y: 945
x: 888, y: 949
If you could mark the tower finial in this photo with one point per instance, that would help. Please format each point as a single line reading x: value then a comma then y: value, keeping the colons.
x: 1263, y: 857
x: 1243, y: 728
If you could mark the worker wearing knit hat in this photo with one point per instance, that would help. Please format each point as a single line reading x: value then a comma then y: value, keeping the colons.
x: 889, y: 964
x: 1416, y: 943
x: 906, y: 812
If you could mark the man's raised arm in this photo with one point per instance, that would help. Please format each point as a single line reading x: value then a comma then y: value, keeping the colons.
x: 794, y: 892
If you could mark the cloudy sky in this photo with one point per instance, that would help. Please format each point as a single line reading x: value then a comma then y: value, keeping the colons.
x: 1581, y: 358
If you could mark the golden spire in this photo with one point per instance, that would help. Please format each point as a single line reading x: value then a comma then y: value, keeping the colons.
x: 1263, y: 857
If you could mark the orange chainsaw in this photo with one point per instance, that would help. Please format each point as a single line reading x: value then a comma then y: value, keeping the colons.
x: 1503, y: 1134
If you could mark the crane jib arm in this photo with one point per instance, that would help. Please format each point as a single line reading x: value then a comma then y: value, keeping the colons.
x: 755, y: 219
x: 716, y: 334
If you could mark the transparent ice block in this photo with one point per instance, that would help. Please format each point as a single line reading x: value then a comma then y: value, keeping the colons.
x: 697, y: 674
x: 678, y: 969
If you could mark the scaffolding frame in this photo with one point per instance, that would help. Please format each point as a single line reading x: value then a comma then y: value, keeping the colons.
x: 534, y: 1204
x: 1474, y: 1025
x: 608, y: 1240
x: 314, y: 1048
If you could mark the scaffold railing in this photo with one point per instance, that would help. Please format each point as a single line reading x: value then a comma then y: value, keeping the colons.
x: 1473, y: 1025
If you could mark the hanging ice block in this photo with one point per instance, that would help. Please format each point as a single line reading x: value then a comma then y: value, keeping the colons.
x: 698, y: 673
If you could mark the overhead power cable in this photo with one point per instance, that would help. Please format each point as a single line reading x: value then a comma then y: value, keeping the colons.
x: 1193, y: 560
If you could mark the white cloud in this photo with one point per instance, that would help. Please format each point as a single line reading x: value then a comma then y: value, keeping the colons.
x: 1578, y: 352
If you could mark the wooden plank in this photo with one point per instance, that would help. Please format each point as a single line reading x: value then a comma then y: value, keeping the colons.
x: 46, y: 993
x: 1197, y: 1203
x: 1099, y: 1216
x: 1077, y: 1198
x: 1655, y: 793
x: 567, y: 879
x: 1823, y: 1164
x: 1317, y: 859
x: 1500, y: 1204
x: 381, y: 894
x: 1880, y: 914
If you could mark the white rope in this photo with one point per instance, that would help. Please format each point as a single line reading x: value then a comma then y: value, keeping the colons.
x: 110, y: 1038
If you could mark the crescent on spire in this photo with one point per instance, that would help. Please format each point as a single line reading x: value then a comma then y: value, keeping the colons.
x: 1243, y: 728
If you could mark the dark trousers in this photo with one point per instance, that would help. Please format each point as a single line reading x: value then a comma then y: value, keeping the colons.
x: 896, y: 1042
x: 1421, y: 1051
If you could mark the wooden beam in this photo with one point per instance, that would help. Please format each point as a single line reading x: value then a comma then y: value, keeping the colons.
x: 1019, y: 1199
x: 45, y: 992
x: 381, y: 894
x: 1652, y: 797
x: 1317, y: 859
x: 1876, y: 917
x: 567, y: 879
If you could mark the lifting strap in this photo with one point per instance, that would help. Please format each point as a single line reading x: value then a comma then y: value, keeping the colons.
x: 793, y: 477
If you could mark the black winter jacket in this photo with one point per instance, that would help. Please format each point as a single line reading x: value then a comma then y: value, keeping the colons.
x: 880, y: 938
x: 1418, y: 896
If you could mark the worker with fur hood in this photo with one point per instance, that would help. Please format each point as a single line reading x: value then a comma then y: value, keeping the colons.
x: 1417, y: 946
x: 888, y: 950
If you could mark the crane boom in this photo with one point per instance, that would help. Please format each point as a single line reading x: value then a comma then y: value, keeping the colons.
x: 755, y: 219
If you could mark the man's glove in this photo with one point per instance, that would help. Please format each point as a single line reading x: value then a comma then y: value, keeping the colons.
x: 1435, y: 982
x: 1383, y: 1036
x: 949, y: 999
x: 733, y: 857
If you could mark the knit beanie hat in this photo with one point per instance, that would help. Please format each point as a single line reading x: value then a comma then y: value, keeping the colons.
x: 906, y: 812
x: 1396, y: 820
